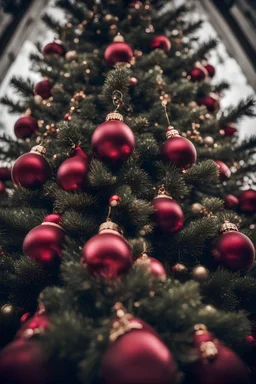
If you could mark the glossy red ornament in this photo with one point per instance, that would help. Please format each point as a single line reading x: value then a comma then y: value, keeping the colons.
x: 231, y: 202
x: 160, y: 42
x: 224, y: 171
x: 31, y: 170
x: 133, y: 81
x: 5, y: 174
x: 72, y: 173
x: 168, y: 215
x: 25, y: 127
x: 43, y: 89
x: 234, y: 250
x: 211, y: 102
x: 251, y: 339
x: 118, y: 52
x: 113, y: 140
x: 154, y: 266
x: 33, y: 326
x: 229, y: 130
x: 217, y: 363
x: 210, y: 69
x: 2, y: 189
x: 178, y: 150
x: 43, y: 243
x: 114, y: 200
x: 23, y: 362
x: 67, y: 117
x: 138, y: 357
x: 107, y: 254
x: 247, y: 201
x: 54, y: 49
x: 197, y: 74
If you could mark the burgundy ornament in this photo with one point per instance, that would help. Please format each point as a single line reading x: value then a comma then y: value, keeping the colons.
x: 113, y: 140
x: 217, y: 363
x: 211, y: 102
x: 210, y: 69
x: 137, y: 356
x: 114, y: 200
x: 5, y: 174
x: 31, y: 170
x: 54, y: 49
x: 23, y: 362
x: 67, y: 117
x: 161, y: 42
x: 107, y: 254
x: 224, y: 171
x: 72, y: 173
x: 25, y: 127
x: 178, y: 150
x: 43, y: 89
x: 118, y: 52
x: 233, y: 249
x: 230, y: 130
x: 231, y: 202
x: 43, y: 243
x: 247, y: 201
x: 180, y: 272
x: 198, y: 74
x: 168, y: 215
x: 33, y: 326
x: 133, y: 81
x: 154, y: 266
x: 2, y: 189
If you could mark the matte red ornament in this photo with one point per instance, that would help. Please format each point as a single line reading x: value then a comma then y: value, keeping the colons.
x: 217, y: 363
x: 247, y: 201
x: 234, y: 250
x: 161, y: 42
x: 210, y: 69
x: 197, y: 74
x: 138, y: 357
x: 168, y: 215
x: 118, y: 52
x: 33, y: 326
x: 231, y: 202
x: 178, y: 150
x: 43, y: 89
x: 25, y: 127
x: 133, y: 81
x: 72, y: 173
x: 5, y: 174
x: 54, y: 49
x: 154, y: 266
x: 23, y: 362
x: 211, y: 102
x: 230, y: 130
x: 224, y: 171
x: 43, y: 243
x: 31, y: 170
x: 113, y: 140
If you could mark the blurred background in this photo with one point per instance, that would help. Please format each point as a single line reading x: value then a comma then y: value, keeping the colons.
x: 232, y: 21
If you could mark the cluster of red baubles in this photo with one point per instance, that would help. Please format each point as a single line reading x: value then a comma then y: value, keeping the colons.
x: 245, y: 202
x: 201, y: 72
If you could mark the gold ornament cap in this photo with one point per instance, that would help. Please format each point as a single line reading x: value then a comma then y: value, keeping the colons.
x: 39, y: 150
x: 114, y: 116
x: 227, y: 227
x: 171, y: 132
x: 119, y: 38
x: 110, y: 227
x: 162, y: 192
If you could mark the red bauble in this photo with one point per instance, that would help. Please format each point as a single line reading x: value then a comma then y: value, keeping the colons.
x: 43, y: 89
x: 224, y: 171
x: 54, y: 49
x: 229, y: 130
x: 31, y: 170
x: 231, y: 202
x: 234, y: 250
x: 154, y: 266
x: 178, y: 150
x: 113, y: 140
x: 138, y: 357
x: 222, y: 367
x: 247, y: 201
x: 33, y: 325
x: 210, y: 69
x: 160, y: 42
x: 133, y: 81
x: 114, y: 200
x: 71, y: 175
x: 25, y: 127
x: 23, y: 362
x: 168, y: 215
x: 43, y: 243
x: 197, y: 74
x: 118, y: 52
x: 2, y: 189
x: 107, y: 255
x: 5, y: 174
x: 211, y: 102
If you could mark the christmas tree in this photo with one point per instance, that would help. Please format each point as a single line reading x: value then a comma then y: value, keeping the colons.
x: 127, y: 220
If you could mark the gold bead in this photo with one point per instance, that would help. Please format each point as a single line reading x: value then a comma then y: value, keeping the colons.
x: 197, y: 208
x: 200, y: 273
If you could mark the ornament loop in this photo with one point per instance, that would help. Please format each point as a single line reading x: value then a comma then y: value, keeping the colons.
x: 123, y: 324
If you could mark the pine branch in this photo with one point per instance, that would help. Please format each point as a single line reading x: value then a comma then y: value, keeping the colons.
x: 23, y: 87
x: 244, y: 108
